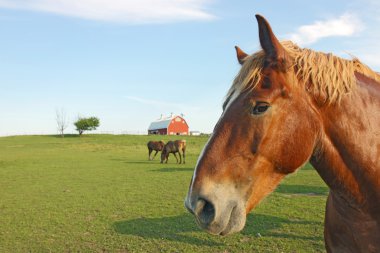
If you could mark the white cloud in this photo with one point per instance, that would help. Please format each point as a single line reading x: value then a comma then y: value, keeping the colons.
x: 125, y: 11
x: 345, y: 25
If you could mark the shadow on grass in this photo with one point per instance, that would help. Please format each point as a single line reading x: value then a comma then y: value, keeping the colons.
x: 130, y: 161
x: 127, y: 160
x: 174, y: 229
x: 66, y: 136
x: 168, y: 228
x: 267, y: 225
x: 171, y: 169
x: 309, y: 190
x: 156, y: 163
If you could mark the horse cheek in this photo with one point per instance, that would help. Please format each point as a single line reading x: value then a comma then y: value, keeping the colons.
x: 298, y: 150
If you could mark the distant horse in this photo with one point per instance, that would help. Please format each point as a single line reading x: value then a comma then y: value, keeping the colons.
x: 288, y: 106
x: 174, y: 147
x: 156, y: 146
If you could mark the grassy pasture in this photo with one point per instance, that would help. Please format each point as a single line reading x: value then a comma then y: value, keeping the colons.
x: 99, y: 193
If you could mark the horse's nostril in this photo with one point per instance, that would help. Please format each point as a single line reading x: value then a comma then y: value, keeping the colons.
x: 205, y: 211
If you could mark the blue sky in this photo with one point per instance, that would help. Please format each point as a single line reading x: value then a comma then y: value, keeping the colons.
x: 127, y: 62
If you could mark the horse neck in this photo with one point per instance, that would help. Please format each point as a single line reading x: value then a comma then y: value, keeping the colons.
x: 348, y: 154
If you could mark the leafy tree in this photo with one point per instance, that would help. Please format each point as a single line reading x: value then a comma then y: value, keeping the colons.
x: 86, y: 124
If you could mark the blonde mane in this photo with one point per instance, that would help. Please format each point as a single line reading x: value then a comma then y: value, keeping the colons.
x: 321, y: 73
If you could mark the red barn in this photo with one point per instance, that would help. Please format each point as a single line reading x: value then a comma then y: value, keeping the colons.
x: 173, y: 125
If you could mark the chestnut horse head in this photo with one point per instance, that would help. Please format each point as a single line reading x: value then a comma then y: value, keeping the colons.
x: 271, y: 125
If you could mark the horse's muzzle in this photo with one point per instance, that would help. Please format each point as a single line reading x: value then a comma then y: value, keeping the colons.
x: 221, y: 219
x: 205, y: 212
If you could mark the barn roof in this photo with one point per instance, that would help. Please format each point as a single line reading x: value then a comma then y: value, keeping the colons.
x: 161, y: 123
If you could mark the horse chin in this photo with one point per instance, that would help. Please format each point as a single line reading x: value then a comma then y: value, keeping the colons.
x: 229, y: 222
x: 236, y: 222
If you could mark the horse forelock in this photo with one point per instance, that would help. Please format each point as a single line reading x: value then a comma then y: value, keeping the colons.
x: 321, y: 73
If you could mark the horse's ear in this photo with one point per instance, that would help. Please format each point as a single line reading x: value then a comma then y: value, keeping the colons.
x: 272, y: 47
x: 240, y: 54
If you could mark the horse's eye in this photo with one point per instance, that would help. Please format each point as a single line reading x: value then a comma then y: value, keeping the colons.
x: 260, y: 108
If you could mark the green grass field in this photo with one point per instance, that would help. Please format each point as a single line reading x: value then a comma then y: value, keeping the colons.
x: 99, y: 193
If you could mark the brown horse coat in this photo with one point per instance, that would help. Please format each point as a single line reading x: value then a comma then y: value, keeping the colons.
x: 174, y: 147
x: 156, y: 146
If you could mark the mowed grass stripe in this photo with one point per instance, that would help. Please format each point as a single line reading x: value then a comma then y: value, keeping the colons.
x: 100, y: 193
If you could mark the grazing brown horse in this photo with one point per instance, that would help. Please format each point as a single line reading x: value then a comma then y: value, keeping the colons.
x: 156, y: 146
x: 174, y: 147
x: 288, y: 106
